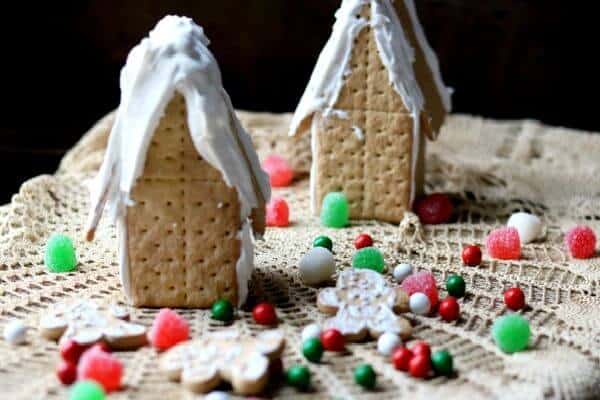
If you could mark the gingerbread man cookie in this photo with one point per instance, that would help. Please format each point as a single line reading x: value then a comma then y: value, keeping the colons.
x: 364, y: 304
x: 202, y: 364
x: 85, y: 322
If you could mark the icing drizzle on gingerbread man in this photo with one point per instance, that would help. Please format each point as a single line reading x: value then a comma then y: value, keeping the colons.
x: 364, y: 304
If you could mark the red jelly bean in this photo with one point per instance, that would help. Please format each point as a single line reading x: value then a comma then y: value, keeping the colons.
x: 279, y: 170
x: 278, y: 212
x: 449, y: 309
x: 66, y: 372
x: 436, y: 208
x: 514, y: 298
x: 264, y: 314
x: 363, y: 240
x: 581, y: 242
x: 419, y: 366
x: 401, y: 358
x: 471, y: 255
x: 421, y: 348
x: 333, y: 340
x: 70, y: 351
x: 168, y: 329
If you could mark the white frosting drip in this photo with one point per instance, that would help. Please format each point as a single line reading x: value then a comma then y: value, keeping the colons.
x: 174, y: 57
x: 397, y: 55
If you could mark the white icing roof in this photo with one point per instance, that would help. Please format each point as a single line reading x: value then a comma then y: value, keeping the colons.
x: 395, y: 50
x: 175, y: 57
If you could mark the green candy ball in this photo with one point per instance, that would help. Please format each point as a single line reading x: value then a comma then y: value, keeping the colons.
x: 442, y: 362
x: 370, y: 258
x: 222, y: 310
x: 335, y: 211
x: 86, y: 390
x: 60, y: 254
x: 312, y: 349
x: 455, y: 285
x: 364, y: 375
x: 323, y: 241
x: 298, y: 376
x: 511, y: 333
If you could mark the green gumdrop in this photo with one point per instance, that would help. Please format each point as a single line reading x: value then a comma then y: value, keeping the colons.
x: 442, y: 363
x: 86, y: 390
x: 370, y: 258
x: 511, y: 333
x: 60, y: 254
x: 335, y: 211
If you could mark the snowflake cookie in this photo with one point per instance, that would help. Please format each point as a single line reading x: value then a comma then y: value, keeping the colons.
x: 364, y: 304
x: 202, y: 364
x: 85, y: 322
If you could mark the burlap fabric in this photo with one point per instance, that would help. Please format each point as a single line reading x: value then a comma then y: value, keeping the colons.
x: 491, y: 168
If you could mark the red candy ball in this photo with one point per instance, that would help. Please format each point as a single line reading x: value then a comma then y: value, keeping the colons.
x: 66, y: 372
x: 471, y: 255
x: 363, y: 240
x: 436, y: 208
x: 333, y: 340
x: 279, y: 170
x: 514, y: 298
x: 70, y: 351
x: 278, y: 212
x: 101, y: 367
x: 401, y: 358
x: 422, y: 349
x: 264, y: 314
x: 581, y: 242
x: 168, y: 329
x: 419, y: 366
x: 449, y: 309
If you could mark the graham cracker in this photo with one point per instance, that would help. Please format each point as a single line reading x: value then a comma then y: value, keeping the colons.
x: 375, y: 174
x: 182, y: 230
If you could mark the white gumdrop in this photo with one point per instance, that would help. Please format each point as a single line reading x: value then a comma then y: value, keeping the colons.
x: 401, y: 271
x: 311, y: 331
x: 217, y: 395
x: 317, y: 266
x: 529, y: 226
x: 387, y: 343
x: 419, y: 303
x: 15, y: 332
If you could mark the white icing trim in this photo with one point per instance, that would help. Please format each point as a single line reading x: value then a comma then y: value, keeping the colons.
x: 123, y: 256
x: 175, y: 58
x: 245, y: 264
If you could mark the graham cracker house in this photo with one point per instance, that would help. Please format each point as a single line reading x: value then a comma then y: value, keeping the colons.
x: 375, y: 94
x: 180, y: 176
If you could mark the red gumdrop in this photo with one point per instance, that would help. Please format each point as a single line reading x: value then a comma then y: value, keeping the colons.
x: 70, y: 350
x: 278, y: 212
x: 102, y: 367
x: 66, y: 372
x: 264, y: 314
x: 471, y: 255
x: 421, y: 348
x: 423, y: 282
x: 333, y: 340
x: 279, y: 170
x: 514, y: 298
x: 449, y: 309
x: 363, y: 240
x: 504, y: 244
x: 168, y: 329
x: 581, y: 241
x: 436, y: 208
x: 401, y: 358
x: 419, y: 366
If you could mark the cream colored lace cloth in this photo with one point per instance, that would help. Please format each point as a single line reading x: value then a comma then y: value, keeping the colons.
x: 492, y: 169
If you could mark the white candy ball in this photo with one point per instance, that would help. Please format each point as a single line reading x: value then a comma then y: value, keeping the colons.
x: 419, y: 303
x: 311, y: 331
x: 387, y: 343
x: 402, y: 271
x: 217, y: 395
x: 15, y: 332
x: 528, y: 225
x: 317, y: 266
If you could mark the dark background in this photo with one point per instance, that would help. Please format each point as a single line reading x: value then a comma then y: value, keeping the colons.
x: 61, y: 62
